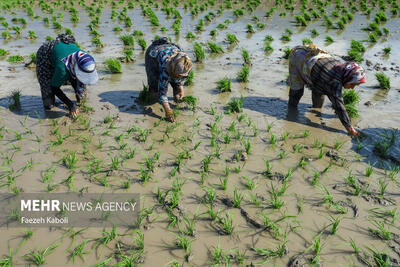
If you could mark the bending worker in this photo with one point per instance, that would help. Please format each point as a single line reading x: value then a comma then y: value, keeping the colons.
x: 166, y: 63
x: 61, y: 61
x: 324, y: 75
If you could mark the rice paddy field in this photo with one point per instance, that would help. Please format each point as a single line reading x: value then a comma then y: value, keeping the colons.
x: 238, y: 180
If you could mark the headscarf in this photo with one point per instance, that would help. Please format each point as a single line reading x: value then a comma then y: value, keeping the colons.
x: 82, y: 67
x: 353, y: 73
x: 179, y: 64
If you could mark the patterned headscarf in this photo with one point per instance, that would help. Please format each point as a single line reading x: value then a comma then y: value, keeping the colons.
x: 353, y: 73
x: 179, y: 64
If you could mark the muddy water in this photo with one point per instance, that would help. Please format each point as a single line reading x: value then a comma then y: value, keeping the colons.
x: 266, y: 100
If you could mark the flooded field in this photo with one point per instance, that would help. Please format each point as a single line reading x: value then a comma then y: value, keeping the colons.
x: 265, y: 186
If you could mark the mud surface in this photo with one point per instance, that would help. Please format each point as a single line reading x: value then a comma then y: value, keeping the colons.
x: 316, y: 170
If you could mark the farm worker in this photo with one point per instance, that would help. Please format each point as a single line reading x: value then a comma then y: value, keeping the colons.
x: 166, y: 63
x: 324, y: 75
x: 60, y: 61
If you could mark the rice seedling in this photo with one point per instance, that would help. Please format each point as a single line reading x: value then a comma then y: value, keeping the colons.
x: 380, y: 230
x: 79, y: 250
x: 142, y: 43
x: 226, y: 224
x: 306, y: 41
x: 215, y: 48
x: 340, y: 25
x: 300, y: 20
x: 15, y: 59
x: 127, y: 40
x: 314, y: 32
x: 113, y: 65
x: 3, y: 52
x: 268, y: 48
x: 237, y: 198
x: 250, y: 28
x: 190, y: 35
x: 38, y: 256
x: 285, y: 38
x: 275, y: 201
x: 328, y: 40
x: 372, y: 38
x: 243, y: 74
x: 199, y: 52
x: 235, y: 105
x: 224, y: 85
x: 70, y: 160
x: 247, y: 146
x: 382, y: 186
x: 335, y: 224
x: 386, y: 50
x: 15, y: 99
x: 383, y: 80
x: 231, y: 38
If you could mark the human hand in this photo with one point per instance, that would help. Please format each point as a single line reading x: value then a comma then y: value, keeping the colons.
x: 351, y: 131
x: 169, y: 115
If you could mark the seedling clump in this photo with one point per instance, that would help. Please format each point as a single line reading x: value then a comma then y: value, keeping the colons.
x: 383, y: 80
x: 113, y: 65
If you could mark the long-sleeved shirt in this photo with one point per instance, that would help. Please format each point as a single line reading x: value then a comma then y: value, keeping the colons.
x: 326, y: 78
x: 321, y: 72
x: 165, y: 78
x: 61, y: 74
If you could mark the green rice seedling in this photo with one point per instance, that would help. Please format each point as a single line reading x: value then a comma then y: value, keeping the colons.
x: 235, y: 105
x: 286, y: 52
x: 338, y: 144
x: 224, y: 85
x: 250, y: 183
x: 300, y: 20
x: 383, y: 80
x: 328, y: 40
x: 314, y: 32
x: 190, y: 35
x: 223, y: 182
x: 285, y: 38
x: 79, y: 250
x: 250, y: 28
x: 237, y: 198
x: 213, y: 33
x: 113, y: 65
x: 31, y: 35
x: 247, y: 146
x: 275, y: 201
x: 382, y: 187
x: 326, y: 195
x: 15, y: 59
x: 3, y: 52
x: 231, y: 38
x: 307, y: 41
x: 246, y: 57
x: 340, y: 25
x: 372, y: 38
x: 354, y: 55
x: 315, y: 180
x: 70, y: 160
x: 243, y: 74
x: 358, y: 46
x: 15, y: 99
x: 127, y: 40
x: 129, y: 57
x: 380, y: 230
x: 268, y: 48
x: 6, y: 35
x: 368, y: 171
x: 38, y: 256
x: 199, y: 52
x: 206, y: 163
x: 107, y: 237
x: 142, y: 43
x: 386, y: 50
x: 215, y: 48
x: 335, y: 225
x: 268, y: 38
x: 7, y: 261
x: 210, y: 195
x: 227, y: 224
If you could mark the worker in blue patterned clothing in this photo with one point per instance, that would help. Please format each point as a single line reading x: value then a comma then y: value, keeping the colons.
x: 166, y: 64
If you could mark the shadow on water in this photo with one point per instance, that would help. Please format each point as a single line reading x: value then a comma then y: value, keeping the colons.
x: 380, y: 147
x: 126, y: 102
x: 279, y: 109
x: 32, y: 106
